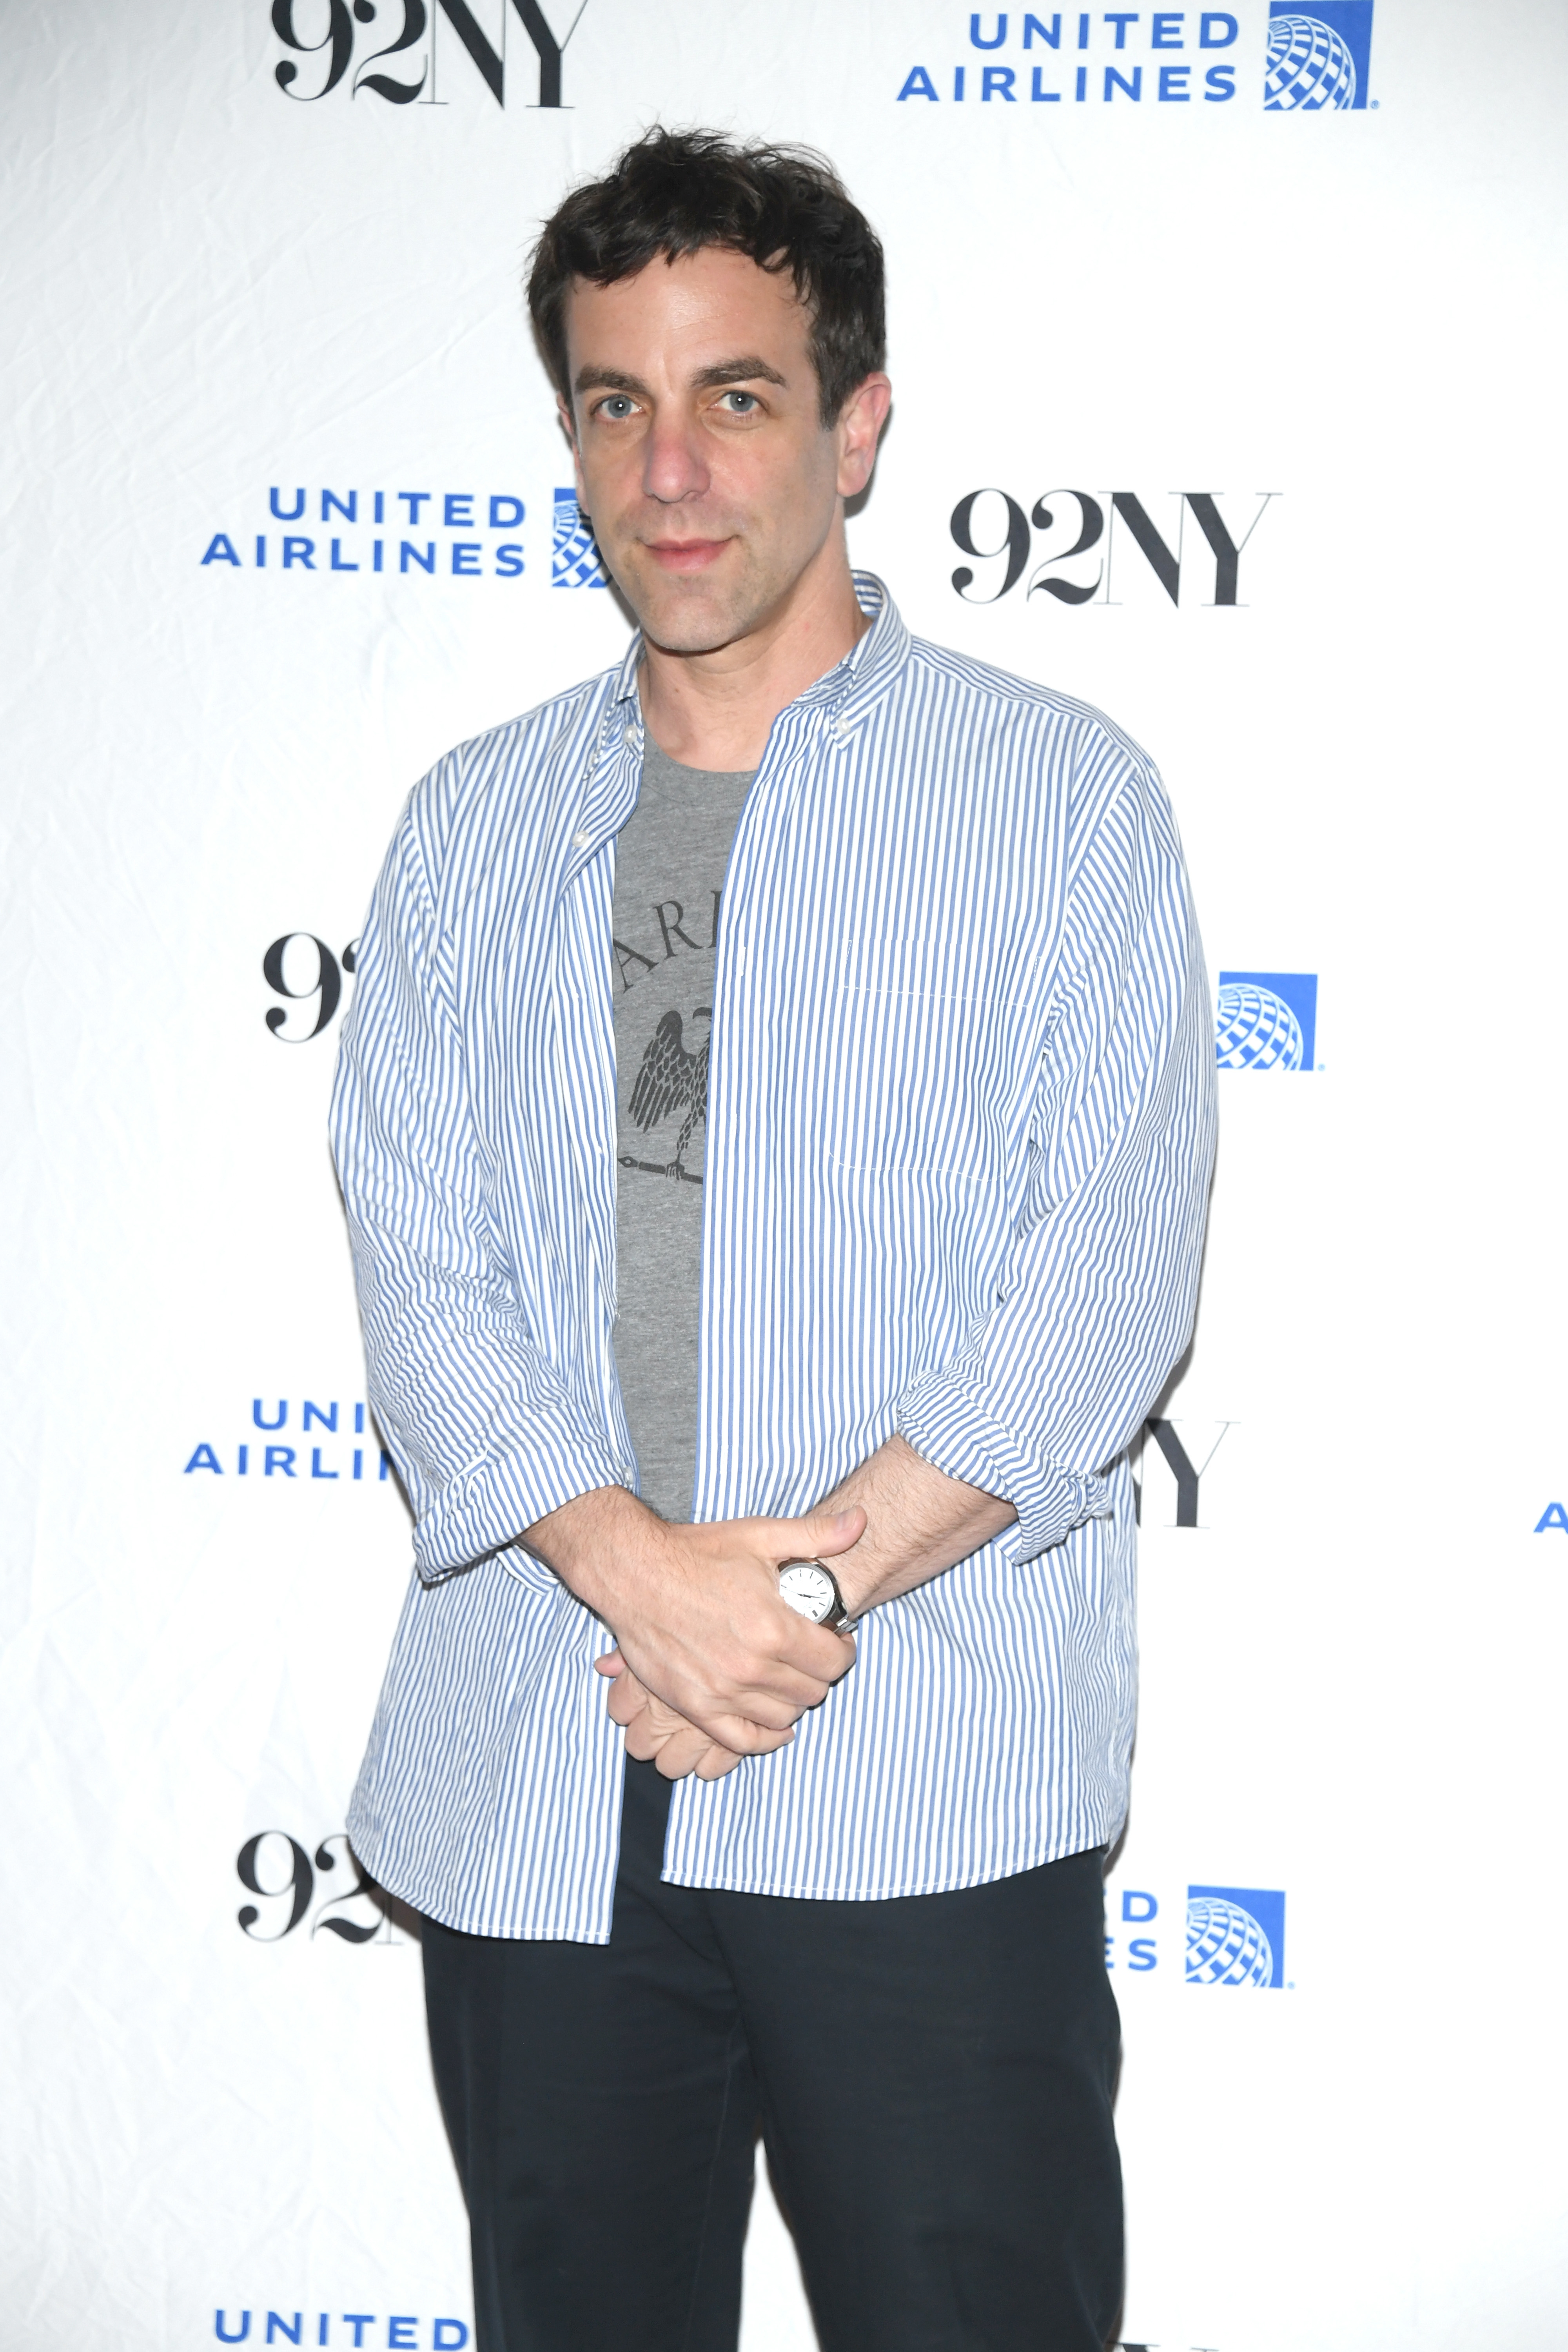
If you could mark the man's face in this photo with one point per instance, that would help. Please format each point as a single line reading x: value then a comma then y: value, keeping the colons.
x: 712, y: 484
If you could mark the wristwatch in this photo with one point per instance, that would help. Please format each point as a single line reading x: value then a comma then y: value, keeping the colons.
x: 812, y: 1590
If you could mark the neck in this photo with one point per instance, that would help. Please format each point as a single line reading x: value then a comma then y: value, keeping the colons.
x: 714, y: 709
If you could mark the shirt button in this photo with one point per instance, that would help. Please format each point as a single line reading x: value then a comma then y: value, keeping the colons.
x: 579, y: 841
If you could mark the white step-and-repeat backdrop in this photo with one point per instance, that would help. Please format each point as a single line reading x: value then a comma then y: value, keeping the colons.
x: 1229, y: 397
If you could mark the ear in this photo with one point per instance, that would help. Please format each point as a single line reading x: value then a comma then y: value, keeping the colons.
x: 859, y: 430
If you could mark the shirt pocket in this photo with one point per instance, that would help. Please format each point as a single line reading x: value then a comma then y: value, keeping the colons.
x: 918, y: 1063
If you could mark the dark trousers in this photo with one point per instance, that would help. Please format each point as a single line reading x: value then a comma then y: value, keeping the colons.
x: 932, y: 2076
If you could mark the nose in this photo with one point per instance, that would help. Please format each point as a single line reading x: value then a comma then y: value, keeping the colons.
x: 675, y: 464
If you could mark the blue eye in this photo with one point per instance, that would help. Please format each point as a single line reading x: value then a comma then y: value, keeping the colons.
x: 749, y: 397
x: 619, y: 403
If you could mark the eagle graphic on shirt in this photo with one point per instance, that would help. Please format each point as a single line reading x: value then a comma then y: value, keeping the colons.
x: 670, y: 1079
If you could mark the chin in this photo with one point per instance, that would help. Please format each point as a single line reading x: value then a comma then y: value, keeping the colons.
x: 697, y: 620
x: 690, y: 633
x: 687, y: 612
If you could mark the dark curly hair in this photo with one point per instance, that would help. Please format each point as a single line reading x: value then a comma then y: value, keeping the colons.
x: 674, y: 193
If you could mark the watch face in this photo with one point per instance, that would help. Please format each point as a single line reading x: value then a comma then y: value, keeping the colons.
x: 806, y: 1588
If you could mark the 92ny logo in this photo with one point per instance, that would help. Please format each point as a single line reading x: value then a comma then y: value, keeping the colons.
x: 278, y: 1872
x: 384, y: 66
x: 302, y: 968
x: 1185, y: 1475
x: 1070, y: 542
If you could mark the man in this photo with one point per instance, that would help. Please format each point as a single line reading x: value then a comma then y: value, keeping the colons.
x: 780, y: 1081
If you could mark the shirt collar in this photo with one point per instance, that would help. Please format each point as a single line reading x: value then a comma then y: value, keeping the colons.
x: 851, y: 685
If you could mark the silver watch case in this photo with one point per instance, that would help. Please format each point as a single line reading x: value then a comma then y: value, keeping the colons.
x: 810, y: 1588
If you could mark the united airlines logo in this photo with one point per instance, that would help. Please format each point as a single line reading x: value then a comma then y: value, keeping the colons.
x: 325, y: 1444
x: 1265, y: 1020
x: 1317, y: 58
x: 574, y: 558
x: 404, y: 2329
x: 1083, y: 57
x: 1235, y: 1935
x: 365, y: 534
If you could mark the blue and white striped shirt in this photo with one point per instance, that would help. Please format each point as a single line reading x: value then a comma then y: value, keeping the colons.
x: 960, y: 1128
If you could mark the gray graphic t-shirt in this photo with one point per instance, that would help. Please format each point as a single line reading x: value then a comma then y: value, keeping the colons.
x: 670, y: 856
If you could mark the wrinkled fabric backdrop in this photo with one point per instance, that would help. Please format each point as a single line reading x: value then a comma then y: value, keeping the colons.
x: 1227, y: 397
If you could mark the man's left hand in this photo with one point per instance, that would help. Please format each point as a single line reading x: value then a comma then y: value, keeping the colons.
x: 919, y: 1523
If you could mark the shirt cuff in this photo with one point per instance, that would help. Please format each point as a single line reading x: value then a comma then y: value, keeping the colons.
x: 946, y: 1422
x: 488, y: 1503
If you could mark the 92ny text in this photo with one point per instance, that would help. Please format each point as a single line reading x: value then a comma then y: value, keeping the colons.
x: 1065, y: 530
x: 279, y: 1872
x: 414, y: 45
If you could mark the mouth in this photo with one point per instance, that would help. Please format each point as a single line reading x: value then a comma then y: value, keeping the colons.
x: 685, y: 555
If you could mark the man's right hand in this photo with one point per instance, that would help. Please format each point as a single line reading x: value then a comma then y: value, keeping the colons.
x: 654, y: 1733
x: 696, y: 1611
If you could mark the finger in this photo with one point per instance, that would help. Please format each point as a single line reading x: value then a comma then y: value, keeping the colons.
x: 626, y: 1697
x: 682, y: 1752
x: 792, y: 1663
x: 716, y: 1763
x: 824, y: 1534
x: 611, y: 1664
x: 772, y: 1704
x: 643, y: 1739
x: 771, y: 1693
x: 773, y: 1696
x: 744, y: 1737
x: 653, y: 1724
x: 811, y: 1659
x: 626, y: 1700
x: 701, y: 1704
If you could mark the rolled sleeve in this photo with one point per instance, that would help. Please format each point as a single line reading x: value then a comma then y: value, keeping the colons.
x: 1097, y: 1301
x: 485, y: 1434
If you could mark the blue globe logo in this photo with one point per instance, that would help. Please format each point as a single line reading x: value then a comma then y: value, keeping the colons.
x: 1256, y: 1030
x: 574, y: 556
x: 1308, y: 66
x: 1226, y: 1946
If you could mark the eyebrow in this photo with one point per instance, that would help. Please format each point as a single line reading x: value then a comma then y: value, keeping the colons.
x: 735, y: 371
x: 740, y: 371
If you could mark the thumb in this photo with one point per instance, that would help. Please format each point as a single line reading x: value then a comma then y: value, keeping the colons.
x: 611, y: 1664
x: 830, y: 1532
